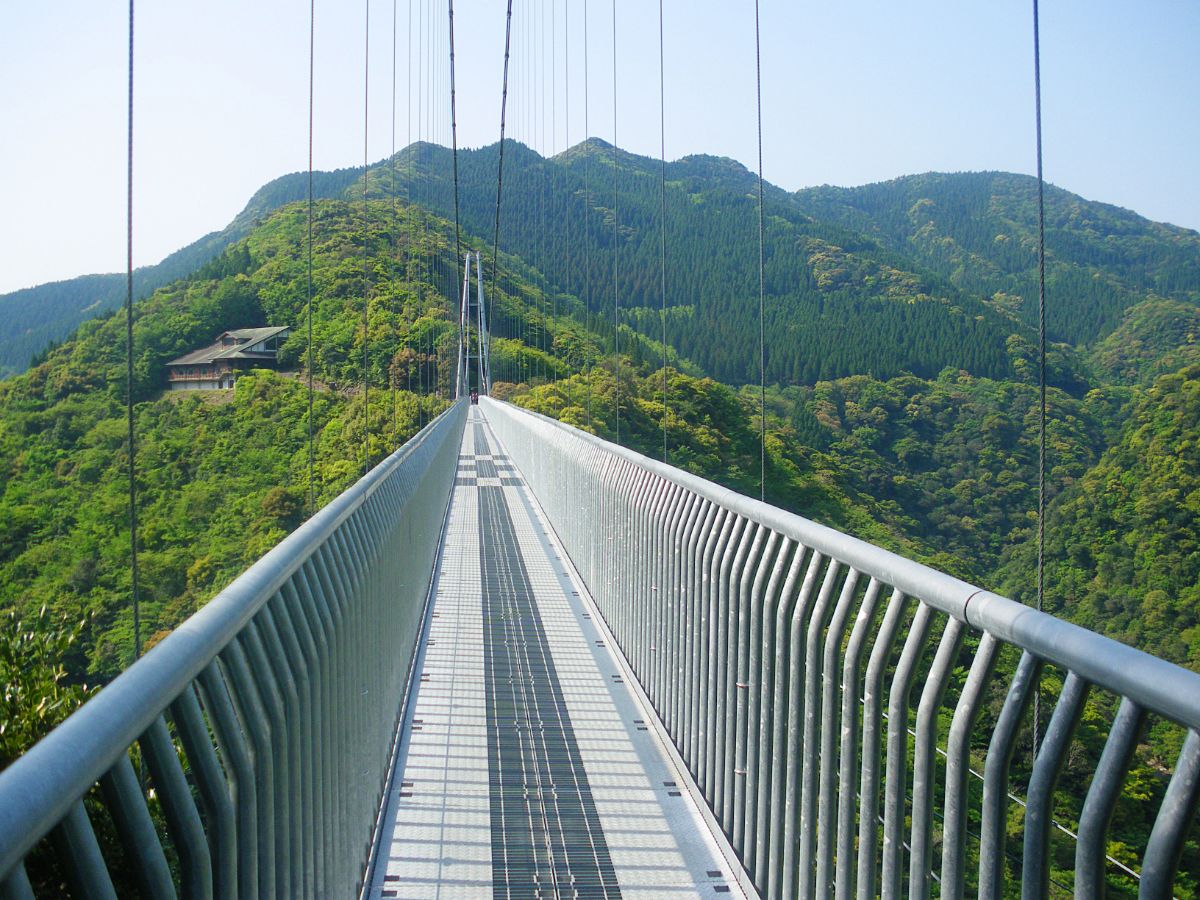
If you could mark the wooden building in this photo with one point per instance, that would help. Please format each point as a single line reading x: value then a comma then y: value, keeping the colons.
x: 216, y: 366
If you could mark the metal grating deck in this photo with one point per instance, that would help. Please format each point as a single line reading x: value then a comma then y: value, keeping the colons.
x: 526, y: 766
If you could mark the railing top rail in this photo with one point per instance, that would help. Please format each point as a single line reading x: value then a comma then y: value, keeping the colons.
x: 38, y: 789
x: 1154, y: 683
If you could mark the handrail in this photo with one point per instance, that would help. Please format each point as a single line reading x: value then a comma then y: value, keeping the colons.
x: 317, y: 634
x: 770, y: 647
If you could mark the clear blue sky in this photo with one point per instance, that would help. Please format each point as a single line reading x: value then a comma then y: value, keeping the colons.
x: 853, y: 92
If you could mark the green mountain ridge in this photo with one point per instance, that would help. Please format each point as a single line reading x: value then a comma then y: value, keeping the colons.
x: 837, y: 260
x: 979, y: 230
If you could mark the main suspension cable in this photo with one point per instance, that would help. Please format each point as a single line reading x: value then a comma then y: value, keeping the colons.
x: 1041, y: 535
x: 587, y: 226
x: 312, y: 31
x: 616, y: 243
x: 567, y: 247
x: 366, y: 249
x: 539, y: 141
x: 762, y: 334
x: 133, y: 518
x: 395, y: 256
x: 454, y: 142
x: 662, y: 151
x: 500, y: 165
x: 553, y: 152
x: 425, y: 270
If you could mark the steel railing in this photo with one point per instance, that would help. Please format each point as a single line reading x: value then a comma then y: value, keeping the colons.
x: 264, y: 722
x: 781, y: 657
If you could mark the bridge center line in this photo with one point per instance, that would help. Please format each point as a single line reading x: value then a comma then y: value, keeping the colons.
x: 564, y: 831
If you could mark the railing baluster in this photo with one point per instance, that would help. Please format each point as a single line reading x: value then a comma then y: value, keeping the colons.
x: 868, y: 828
x: 1175, y: 817
x: 811, y: 741
x: 781, y: 723
x: 897, y: 752
x: 796, y: 709
x: 710, y: 562
x: 16, y: 886
x: 726, y: 684
x: 135, y: 829
x: 678, y: 560
x: 179, y: 809
x: 758, y: 760
x: 1102, y: 796
x: 213, y: 789
x: 1039, y: 809
x: 298, y: 596
x: 736, y: 686
x: 689, y: 620
x: 995, y: 775
x: 254, y: 720
x: 958, y: 749
x: 921, y: 841
x: 239, y: 763
x: 714, y: 684
x: 284, y: 658
x: 848, y: 755
x: 825, y: 822
x: 87, y: 874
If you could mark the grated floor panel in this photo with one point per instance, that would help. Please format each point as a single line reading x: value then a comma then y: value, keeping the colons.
x: 521, y: 772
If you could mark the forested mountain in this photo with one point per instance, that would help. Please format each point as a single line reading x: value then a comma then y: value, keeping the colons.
x: 1123, y: 543
x: 32, y: 319
x: 908, y: 276
x: 979, y: 231
x: 1154, y: 337
x: 837, y: 303
x: 913, y: 275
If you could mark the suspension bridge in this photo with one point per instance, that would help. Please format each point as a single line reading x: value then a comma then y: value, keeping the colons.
x: 517, y: 660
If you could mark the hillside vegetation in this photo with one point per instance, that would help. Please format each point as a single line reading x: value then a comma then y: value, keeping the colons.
x: 901, y: 388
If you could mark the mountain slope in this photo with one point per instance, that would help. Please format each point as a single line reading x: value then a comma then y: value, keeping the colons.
x: 913, y: 275
x: 837, y: 303
x: 33, y: 318
x: 979, y: 231
x: 1123, y: 545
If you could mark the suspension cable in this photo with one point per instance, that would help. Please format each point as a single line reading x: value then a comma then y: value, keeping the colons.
x: 616, y: 243
x: 366, y: 250
x: 133, y: 517
x: 1041, y: 535
x: 540, y: 80
x: 312, y: 30
x: 395, y: 256
x: 762, y: 334
x: 500, y: 165
x: 553, y: 152
x: 454, y: 143
x: 412, y: 220
x: 662, y: 151
x: 567, y: 247
x: 587, y: 225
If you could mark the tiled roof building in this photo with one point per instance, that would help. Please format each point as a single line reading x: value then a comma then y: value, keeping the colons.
x: 216, y: 366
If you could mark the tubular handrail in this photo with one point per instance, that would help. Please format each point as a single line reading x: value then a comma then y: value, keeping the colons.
x: 304, y: 593
x: 731, y: 611
x: 1158, y: 685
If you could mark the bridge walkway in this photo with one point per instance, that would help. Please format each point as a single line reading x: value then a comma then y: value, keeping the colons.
x: 528, y: 765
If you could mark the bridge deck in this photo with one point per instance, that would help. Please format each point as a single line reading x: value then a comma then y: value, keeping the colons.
x: 528, y: 766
